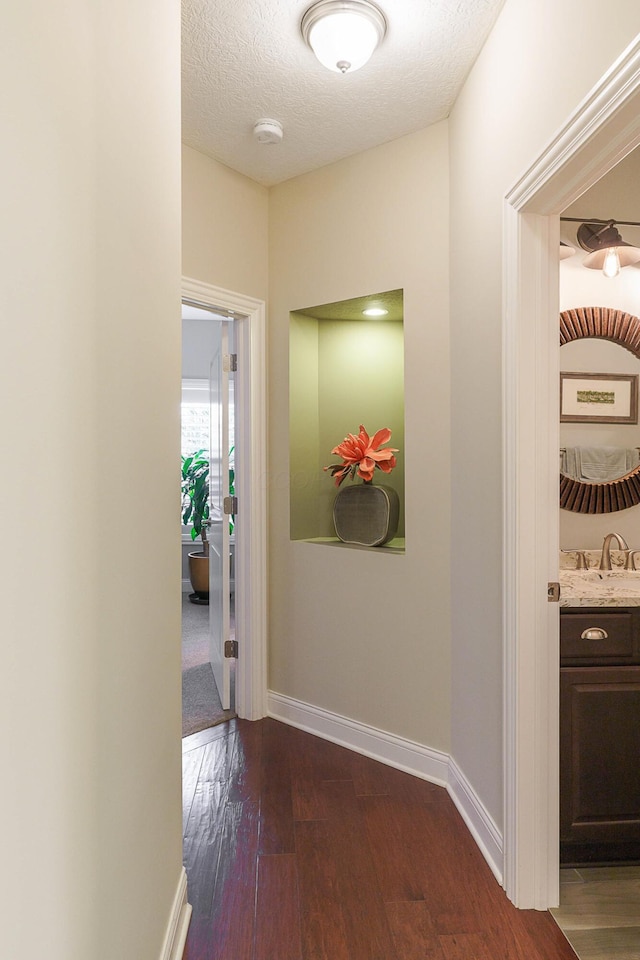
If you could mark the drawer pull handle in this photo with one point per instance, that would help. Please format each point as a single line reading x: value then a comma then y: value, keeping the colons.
x: 594, y: 633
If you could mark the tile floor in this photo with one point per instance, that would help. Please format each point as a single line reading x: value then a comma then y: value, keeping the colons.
x: 599, y: 911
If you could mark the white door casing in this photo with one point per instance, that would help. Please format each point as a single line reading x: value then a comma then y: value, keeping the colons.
x: 219, y: 549
x: 604, y: 128
x: 250, y: 488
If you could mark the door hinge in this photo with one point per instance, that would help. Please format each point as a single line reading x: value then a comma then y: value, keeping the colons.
x: 553, y: 591
x: 230, y: 362
x: 231, y: 648
x: 230, y: 506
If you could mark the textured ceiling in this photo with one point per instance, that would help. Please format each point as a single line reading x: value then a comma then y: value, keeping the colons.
x: 244, y: 60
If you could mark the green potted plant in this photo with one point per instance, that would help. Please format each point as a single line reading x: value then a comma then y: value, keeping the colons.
x: 195, y: 512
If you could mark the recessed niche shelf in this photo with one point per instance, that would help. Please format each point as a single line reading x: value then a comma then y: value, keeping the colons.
x: 345, y: 370
x: 395, y: 546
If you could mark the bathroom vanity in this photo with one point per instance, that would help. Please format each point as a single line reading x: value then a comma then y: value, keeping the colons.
x: 599, y: 716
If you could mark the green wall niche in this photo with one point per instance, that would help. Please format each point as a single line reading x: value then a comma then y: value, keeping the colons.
x: 343, y: 372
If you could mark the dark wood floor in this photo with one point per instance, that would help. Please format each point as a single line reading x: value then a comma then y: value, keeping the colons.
x: 297, y: 849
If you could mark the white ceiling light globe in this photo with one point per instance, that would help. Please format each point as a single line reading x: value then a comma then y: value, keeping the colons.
x: 343, y: 34
x: 343, y: 41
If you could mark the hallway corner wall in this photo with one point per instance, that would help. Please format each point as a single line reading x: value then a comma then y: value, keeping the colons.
x: 91, y: 813
x: 224, y: 226
x: 365, y: 634
x: 539, y: 61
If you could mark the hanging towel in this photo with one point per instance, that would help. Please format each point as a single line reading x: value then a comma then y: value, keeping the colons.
x: 568, y: 462
x: 600, y: 464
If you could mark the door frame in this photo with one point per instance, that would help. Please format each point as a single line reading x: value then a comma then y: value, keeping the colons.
x: 250, y: 486
x: 604, y: 128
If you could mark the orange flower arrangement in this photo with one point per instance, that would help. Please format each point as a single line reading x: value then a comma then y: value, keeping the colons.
x: 362, y: 455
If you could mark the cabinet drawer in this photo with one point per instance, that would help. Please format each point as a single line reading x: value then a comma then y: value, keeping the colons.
x: 597, y: 635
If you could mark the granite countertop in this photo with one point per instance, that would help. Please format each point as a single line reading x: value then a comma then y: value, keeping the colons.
x: 598, y: 588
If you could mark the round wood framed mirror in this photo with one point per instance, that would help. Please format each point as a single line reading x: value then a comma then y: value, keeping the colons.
x: 622, y: 328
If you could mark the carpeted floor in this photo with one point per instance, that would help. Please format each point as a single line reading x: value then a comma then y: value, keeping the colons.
x: 201, y: 707
x: 195, y: 639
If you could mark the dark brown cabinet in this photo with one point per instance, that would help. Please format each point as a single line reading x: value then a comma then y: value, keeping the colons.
x: 599, y: 735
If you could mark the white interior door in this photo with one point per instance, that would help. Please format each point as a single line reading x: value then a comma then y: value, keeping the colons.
x: 219, y: 587
x: 249, y: 329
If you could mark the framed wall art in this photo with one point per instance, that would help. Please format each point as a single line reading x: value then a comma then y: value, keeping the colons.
x: 598, y: 398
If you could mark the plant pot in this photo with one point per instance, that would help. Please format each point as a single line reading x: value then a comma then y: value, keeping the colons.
x: 199, y: 576
x: 366, y: 514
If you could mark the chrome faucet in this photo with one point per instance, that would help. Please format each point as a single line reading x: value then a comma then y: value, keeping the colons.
x: 605, y: 559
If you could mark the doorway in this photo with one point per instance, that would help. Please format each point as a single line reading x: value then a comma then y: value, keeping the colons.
x: 599, y: 911
x: 246, y: 316
x: 208, y: 536
x: 604, y: 129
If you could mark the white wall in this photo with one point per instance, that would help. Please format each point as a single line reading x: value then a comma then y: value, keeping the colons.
x: 90, y: 699
x: 225, y: 226
x: 540, y: 60
x: 366, y: 634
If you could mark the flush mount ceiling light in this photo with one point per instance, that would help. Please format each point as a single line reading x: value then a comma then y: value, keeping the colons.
x: 375, y: 312
x: 343, y: 34
x: 606, y: 249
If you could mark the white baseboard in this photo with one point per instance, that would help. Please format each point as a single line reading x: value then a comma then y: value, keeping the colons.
x: 186, y: 586
x: 481, y: 825
x: 176, y: 935
x: 387, y: 747
x: 414, y: 758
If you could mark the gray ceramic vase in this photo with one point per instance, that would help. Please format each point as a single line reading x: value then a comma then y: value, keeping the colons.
x: 366, y: 514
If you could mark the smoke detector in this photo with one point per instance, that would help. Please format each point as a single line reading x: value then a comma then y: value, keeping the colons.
x: 268, y: 131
